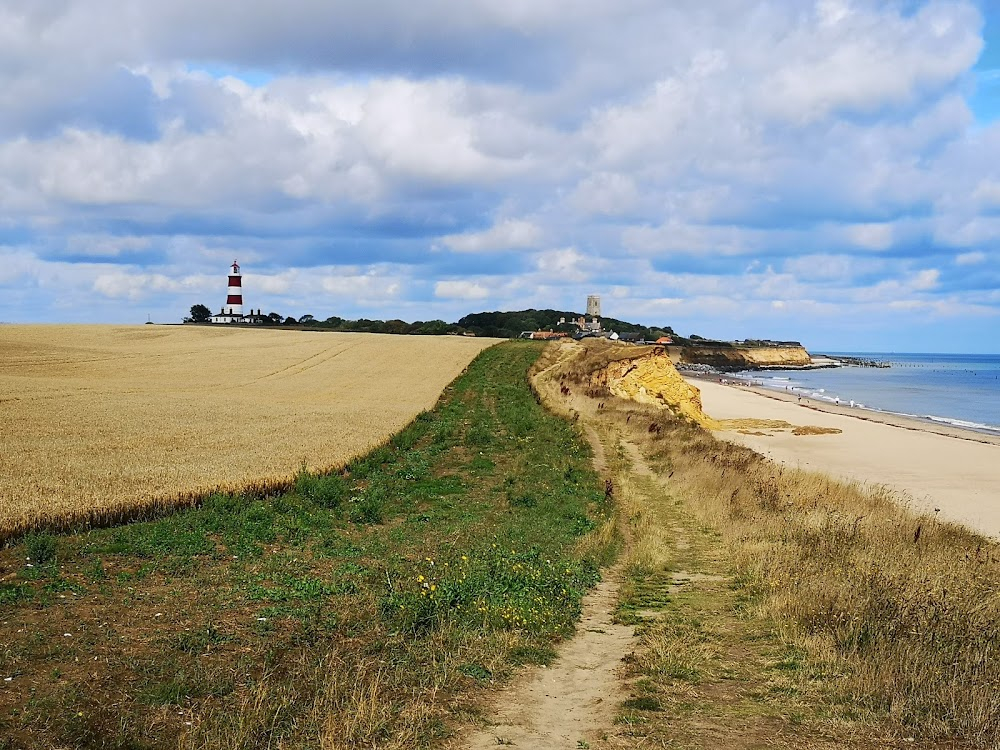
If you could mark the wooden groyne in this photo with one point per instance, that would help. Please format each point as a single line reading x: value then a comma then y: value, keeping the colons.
x: 859, y: 361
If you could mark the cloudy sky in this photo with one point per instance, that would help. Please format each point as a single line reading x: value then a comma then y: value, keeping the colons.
x: 825, y: 170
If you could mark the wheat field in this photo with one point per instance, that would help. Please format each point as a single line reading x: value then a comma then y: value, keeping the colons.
x: 104, y: 423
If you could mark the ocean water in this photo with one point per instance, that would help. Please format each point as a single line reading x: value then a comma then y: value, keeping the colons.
x: 962, y: 390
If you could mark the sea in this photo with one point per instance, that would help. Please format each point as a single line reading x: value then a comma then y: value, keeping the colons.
x: 961, y: 390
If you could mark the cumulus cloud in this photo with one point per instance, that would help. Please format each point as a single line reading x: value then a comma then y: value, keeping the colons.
x: 755, y: 161
x: 464, y: 290
x: 871, y: 236
x: 509, y: 234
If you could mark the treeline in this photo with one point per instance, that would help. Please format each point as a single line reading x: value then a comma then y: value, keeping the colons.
x: 512, y: 324
x: 503, y: 325
x: 364, y: 325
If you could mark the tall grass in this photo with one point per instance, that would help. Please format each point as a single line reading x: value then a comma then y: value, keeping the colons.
x: 906, y: 606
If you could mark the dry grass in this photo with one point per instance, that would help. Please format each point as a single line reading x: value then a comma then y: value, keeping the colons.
x: 105, y: 423
x: 905, y: 607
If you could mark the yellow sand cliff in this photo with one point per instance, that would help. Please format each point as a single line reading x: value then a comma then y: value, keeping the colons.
x: 653, y: 379
x: 742, y: 357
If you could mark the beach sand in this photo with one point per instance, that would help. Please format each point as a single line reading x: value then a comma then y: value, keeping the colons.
x: 955, y: 470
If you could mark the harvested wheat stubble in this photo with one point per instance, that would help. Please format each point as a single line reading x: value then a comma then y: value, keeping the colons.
x: 103, y: 422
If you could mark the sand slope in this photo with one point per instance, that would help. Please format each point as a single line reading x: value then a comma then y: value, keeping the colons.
x: 961, y: 477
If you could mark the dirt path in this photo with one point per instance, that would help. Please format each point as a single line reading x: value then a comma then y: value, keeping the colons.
x: 572, y: 703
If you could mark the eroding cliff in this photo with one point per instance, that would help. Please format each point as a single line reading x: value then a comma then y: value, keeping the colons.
x: 742, y: 357
x: 650, y: 377
x: 653, y: 379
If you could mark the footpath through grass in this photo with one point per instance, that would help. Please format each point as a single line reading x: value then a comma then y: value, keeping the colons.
x: 782, y: 608
x: 368, y: 607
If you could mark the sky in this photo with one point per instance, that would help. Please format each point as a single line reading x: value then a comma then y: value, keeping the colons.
x: 819, y: 170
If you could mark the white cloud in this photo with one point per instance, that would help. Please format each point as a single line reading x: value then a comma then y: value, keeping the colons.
x: 970, y: 259
x: 139, y: 286
x: 463, y: 290
x: 871, y: 236
x: 508, y: 234
x: 567, y: 264
x: 862, y: 60
x: 607, y: 194
x: 926, y: 279
x: 352, y: 155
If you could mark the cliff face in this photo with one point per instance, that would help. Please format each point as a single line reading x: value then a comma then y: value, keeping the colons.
x: 742, y: 357
x: 652, y: 379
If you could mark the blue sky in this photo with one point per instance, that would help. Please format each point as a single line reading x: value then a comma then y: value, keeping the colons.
x: 827, y: 170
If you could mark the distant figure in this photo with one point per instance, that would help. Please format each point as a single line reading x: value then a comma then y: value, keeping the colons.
x: 800, y: 399
x: 852, y: 403
x: 838, y: 401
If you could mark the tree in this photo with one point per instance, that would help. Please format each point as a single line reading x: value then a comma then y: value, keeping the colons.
x: 307, y: 320
x: 200, y: 314
x: 397, y: 326
x: 433, y: 328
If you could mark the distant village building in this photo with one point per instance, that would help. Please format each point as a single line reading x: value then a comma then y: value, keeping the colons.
x: 543, y: 335
x: 232, y: 311
x: 594, y: 306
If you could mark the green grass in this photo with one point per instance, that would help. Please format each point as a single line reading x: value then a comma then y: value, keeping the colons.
x: 448, y: 556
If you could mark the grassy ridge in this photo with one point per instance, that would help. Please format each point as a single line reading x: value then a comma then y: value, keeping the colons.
x: 370, y: 605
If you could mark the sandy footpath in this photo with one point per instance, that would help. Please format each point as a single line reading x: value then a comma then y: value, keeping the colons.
x: 938, y: 467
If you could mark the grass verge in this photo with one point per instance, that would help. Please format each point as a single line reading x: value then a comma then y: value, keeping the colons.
x: 372, y: 606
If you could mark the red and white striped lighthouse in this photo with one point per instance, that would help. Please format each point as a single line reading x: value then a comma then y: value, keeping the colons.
x: 234, y: 299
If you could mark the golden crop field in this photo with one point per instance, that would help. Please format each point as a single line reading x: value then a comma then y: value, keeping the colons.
x: 97, y: 422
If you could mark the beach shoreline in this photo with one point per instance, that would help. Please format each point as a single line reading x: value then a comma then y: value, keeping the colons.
x: 934, y: 468
x: 865, y: 413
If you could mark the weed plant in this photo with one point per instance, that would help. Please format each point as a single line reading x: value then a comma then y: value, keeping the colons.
x: 40, y: 548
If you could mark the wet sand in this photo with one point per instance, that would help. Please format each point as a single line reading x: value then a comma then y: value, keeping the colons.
x: 937, y: 466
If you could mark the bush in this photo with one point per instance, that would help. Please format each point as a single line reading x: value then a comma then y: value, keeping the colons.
x: 41, y: 548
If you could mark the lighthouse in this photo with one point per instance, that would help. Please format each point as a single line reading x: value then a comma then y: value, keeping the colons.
x: 232, y: 311
x: 234, y: 298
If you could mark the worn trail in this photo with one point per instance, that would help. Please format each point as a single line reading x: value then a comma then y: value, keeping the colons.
x: 572, y: 703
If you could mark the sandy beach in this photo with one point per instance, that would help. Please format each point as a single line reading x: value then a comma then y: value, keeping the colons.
x: 937, y: 466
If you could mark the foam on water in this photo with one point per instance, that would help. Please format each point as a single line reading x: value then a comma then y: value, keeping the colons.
x: 958, y: 390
